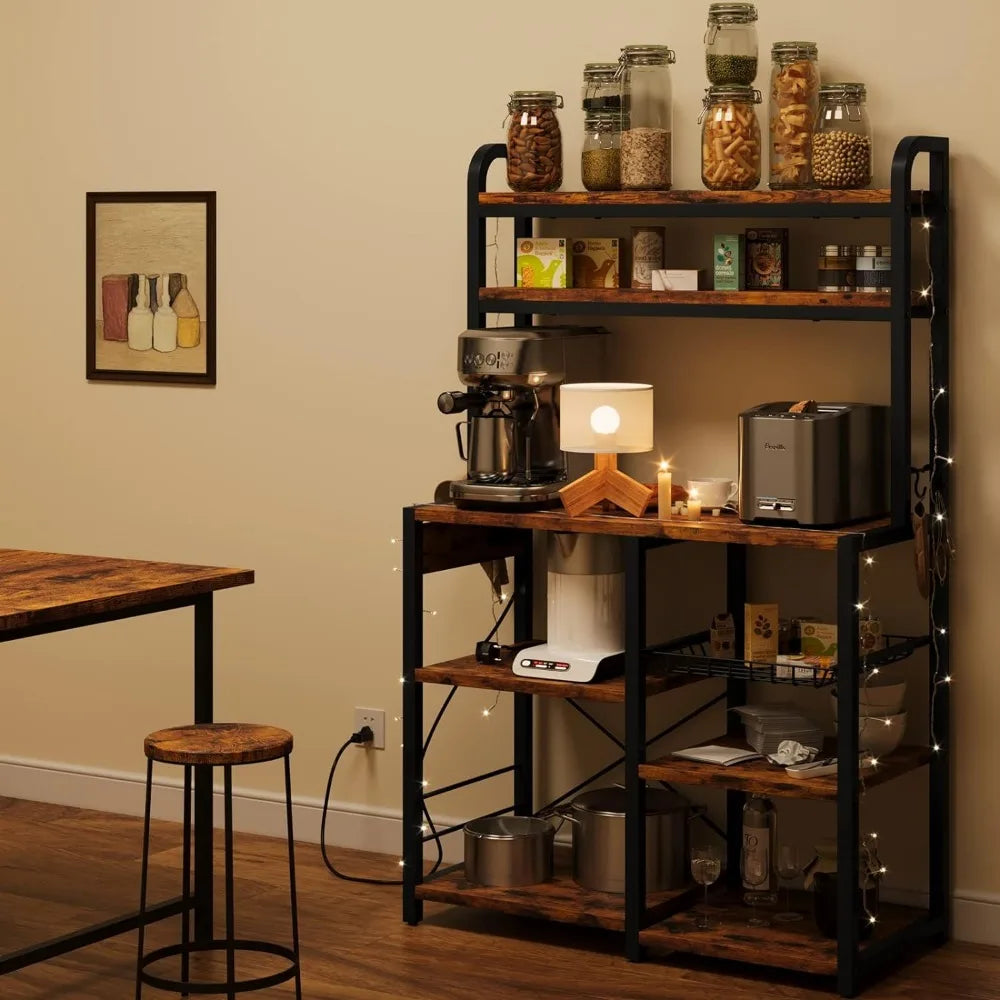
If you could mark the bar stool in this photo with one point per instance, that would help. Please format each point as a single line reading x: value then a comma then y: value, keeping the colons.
x: 226, y: 745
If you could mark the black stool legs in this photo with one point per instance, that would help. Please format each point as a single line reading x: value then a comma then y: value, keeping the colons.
x: 231, y: 944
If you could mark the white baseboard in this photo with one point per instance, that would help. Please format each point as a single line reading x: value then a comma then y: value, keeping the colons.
x: 975, y: 915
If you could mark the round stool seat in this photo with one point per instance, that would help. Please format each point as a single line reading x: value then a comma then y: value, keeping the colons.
x: 218, y: 744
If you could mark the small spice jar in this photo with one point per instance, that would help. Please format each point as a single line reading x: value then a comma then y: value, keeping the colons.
x: 647, y: 117
x: 835, y: 268
x: 873, y: 265
x: 794, y: 103
x: 534, y: 141
x: 600, y: 161
x: 731, y: 43
x: 730, y: 139
x: 842, y: 139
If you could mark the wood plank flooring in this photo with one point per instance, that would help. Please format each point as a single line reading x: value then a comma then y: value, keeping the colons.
x: 62, y: 867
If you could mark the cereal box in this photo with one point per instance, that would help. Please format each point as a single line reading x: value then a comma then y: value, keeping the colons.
x: 543, y: 262
x: 760, y: 632
x: 723, y: 637
x: 767, y: 258
x: 728, y: 253
x: 819, y: 639
x: 596, y: 263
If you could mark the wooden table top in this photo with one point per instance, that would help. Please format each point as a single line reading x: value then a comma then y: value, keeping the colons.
x: 37, y: 588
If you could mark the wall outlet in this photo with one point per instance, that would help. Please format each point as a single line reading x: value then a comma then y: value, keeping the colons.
x: 375, y: 718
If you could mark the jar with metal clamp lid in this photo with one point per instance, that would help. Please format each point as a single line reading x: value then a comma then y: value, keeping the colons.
x: 534, y: 141
x: 731, y: 43
x: 842, y: 139
x: 647, y: 116
x: 794, y: 103
x: 600, y: 159
x: 601, y: 87
x: 730, y: 139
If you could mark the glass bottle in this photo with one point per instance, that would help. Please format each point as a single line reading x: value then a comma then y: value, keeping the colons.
x: 794, y: 103
x: 186, y: 310
x: 730, y: 139
x: 842, y: 138
x: 164, y: 319
x: 600, y: 161
x: 647, y: 117
x: 140, y: 318
x: 731, y: 43
x: 534, y: 141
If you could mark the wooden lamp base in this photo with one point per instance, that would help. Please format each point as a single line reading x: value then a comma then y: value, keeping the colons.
x: 606, y: 482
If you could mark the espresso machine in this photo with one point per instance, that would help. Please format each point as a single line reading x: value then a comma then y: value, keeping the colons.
x: 509, y: 438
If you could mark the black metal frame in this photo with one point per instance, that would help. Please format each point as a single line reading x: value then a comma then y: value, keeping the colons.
x: 856, y: 966
x: 201, y: 900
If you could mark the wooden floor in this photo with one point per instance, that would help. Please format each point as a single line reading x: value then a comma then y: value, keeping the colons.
x: 61, y: 867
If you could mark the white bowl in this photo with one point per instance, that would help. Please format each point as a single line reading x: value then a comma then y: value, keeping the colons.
x: 881, y: 734
x: 876, y: 699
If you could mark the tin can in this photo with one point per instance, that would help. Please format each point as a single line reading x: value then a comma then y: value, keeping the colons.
x: 874, y: 268
x: 836, y: 268
x: 647, y: 254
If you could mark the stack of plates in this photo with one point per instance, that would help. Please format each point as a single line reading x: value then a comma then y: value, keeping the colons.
x: 767, y: 726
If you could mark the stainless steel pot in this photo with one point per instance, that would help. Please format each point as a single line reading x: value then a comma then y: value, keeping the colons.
x: 598, y: 819
x: 508, y: 850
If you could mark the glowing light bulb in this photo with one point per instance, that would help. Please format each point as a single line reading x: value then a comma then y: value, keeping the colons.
x: 950, y: 460
x: 924, y: 292
x: 433, y: 614
x: 927, y: 224
x: 423, y: 827
x: 883, y: 870
x: 942, y: 631
x: 940, y: 391
x: 393, y: 541
x: 605, y: 420
x: 936, y: 748
x: 503, y: 596
x: 395, y: 569
x: 947, y: 678
x: 874, y: 671
x: 402, y: 680
x: 424, y: 783
x: 874, y: 763
x: 869, y: 560
x: 860, y: 606
x: 873, y: 835
x: 401, y: 863
x: 939, y: 517
x: 486, y: 713
x: 872, y: 920
x: 887, y: 722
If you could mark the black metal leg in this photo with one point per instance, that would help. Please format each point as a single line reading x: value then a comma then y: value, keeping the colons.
x: 635, y: 745
x: 848, y: 818
x: 186, y: 881
x: 524, y: 792
x: 230, y: 890
x: 143, y: 878
x: 203, y: 712
x: 523, y: 229
x: 291, y: 877
x: 736, y: 694
x: 413, y: 716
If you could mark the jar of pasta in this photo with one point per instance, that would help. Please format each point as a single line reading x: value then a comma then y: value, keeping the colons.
x: 730, y: 139
x: 794, y: 102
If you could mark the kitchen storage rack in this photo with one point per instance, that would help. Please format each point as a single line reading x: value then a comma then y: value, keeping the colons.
x: 438, y: 537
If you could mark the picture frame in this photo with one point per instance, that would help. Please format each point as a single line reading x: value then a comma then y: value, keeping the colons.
x: 142, y: 247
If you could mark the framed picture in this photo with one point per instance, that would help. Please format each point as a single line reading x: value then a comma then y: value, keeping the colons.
x: 151, y: 286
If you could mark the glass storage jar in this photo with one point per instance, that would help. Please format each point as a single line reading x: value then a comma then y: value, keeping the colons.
x: 534, y: 142
x: 794, y: 103
x: 730, y: 139
x: 601, y: 87
x: 842, y: 138
x: 600, y: 161
x: 731, y: 43
x: 647, y: 117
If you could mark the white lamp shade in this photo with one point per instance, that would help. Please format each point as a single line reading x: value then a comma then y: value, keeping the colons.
x: 601, y: 418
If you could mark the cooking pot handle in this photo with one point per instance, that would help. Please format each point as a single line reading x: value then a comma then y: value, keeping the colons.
x: 565, y: 813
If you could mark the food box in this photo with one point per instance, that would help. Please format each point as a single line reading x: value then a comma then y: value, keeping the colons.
x: 673, y: 280
x: 767, y: 258
x: 596, y: 263
x: 728, y: 254
x: 819, y: 639
x: 760, y: 632
x: 544, y: 262
x: 804, y: 668
x: 723, y: 637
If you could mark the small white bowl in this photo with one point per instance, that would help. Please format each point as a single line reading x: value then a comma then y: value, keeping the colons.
x: 881, y: 734
x: 876, y: 699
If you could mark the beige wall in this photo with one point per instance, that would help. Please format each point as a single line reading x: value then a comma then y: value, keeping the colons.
x: 338, y: 146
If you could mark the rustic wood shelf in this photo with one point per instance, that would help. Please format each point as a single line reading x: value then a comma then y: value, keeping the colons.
x: 466, y: 672
x: 561, y: 899
x: 798, y: 946
x: 761, y: 778
x: 753, y: 304
x: 709, y: 529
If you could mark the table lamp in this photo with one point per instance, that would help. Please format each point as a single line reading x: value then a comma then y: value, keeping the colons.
x: 606, y: 419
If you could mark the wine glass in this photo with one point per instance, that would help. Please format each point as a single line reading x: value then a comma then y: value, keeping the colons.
x: 788, y: 870
x: 755, y: 873
x: 706, y: 866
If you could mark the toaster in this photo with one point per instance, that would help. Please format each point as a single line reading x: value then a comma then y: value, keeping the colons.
x: 826, y: 466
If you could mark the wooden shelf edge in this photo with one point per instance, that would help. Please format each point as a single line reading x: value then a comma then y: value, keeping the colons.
x: 703, y: 297
x: 694, y: 196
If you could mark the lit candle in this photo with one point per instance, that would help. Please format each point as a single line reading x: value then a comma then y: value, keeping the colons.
x: 694, y: 506
x: 664, y: 490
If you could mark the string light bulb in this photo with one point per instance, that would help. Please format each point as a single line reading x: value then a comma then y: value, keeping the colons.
x: 393, y: 541
x: 402, y: 680
x: 874, y: 671
x: 869, y: 560
x: 927, y: 223
x: 423, y: 827
x: 883, y: 870
x: 486, y: 713
x: 939, y: 516
x: 860, y: 606
x: 947, y: 678
x: 401, y: 863
x: 874, y: 763
x: 941, y: 391
x: 942, y: 631
x: 424, y: 783
x: 924, y: 292
x: 936, y: 748
x: 872, y: 920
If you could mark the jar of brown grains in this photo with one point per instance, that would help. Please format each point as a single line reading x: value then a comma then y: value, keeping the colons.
x: 842, y: 138
x: 534, y: 141
x: 730, y: 139
x: 647, y: 117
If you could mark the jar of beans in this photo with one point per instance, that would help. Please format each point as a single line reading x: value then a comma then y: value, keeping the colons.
x: 600, y: 162
x: 731, y: 43
x: 730, y: 139
x: 842, y: 139
x: 534, y: 142
x: 647, y: 117
x: 794, y: 103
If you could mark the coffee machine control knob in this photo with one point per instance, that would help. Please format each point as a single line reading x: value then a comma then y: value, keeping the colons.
x: 455, y: 402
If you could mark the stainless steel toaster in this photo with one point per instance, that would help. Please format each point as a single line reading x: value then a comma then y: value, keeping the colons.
x: 826, y: 466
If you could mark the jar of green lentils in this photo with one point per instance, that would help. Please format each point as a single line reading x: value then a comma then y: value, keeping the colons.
x: 731, y: 44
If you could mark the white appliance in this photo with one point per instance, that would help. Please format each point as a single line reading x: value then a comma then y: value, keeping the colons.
x: 586, y: 605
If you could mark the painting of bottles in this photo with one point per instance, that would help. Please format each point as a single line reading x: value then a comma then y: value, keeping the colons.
x: 151, y: 287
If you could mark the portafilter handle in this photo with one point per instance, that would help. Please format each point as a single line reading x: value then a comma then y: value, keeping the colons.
x: 458, y: 402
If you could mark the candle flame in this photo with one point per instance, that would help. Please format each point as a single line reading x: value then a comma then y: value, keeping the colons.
x: 664, y: 466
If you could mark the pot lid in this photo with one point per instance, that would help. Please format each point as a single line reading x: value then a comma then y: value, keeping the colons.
x: 611, y: 801
x: 507, y: 827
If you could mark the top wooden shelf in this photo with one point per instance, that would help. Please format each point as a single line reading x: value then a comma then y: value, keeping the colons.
x: 725, y: 528
x: 872, y: 202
